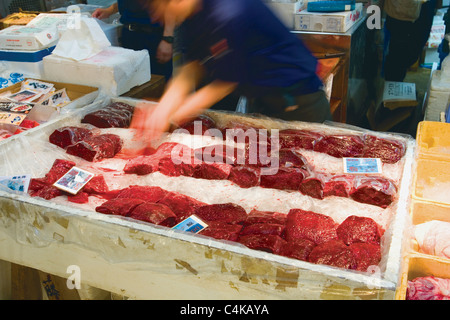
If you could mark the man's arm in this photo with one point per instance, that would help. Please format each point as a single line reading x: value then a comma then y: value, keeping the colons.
x: 104, y: 13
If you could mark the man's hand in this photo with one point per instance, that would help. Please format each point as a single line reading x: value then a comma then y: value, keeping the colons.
x: 164, y: 52
x: 150, y: 122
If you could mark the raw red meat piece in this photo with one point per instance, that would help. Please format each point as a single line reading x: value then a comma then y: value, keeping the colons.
x: 183, y: 206
x: 373, y: 190
x: 146, y: 193
x: 291, y: 159
x: 428, y: 288
x: 96, y: 185
x: 297, y: 249
x: 284, y: 179
x: 269, y: 243
x: 244, y: 177
x: 221, y: 153
x: 339, y: 186
x: 359, y: 229
x: 264, y: 228
x: 59, y: 168
x: 67, y: 136
x: 167, y: 167
x: 155, y: 213
x: 301, y: 224
x: 115, y: 115
x: 388, y: 150
x: 119, y: 206
x: 333, y: 253
x: 366, y: 255
x: 96, y: 148
x: 212, y: 171
x: 340, y: 146
x: 294, y: 138
x: 313, y: 187
x: 43, y: 187
x: 142, y: 165
x: 80, y: 197
x: 47, y: 192
x: 202, y: 123
x: 224, y: 212
x: 222, y: 231
x: 256, y: 216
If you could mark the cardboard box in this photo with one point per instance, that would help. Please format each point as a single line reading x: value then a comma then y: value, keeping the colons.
x: 399, y: 94
x: 115, y: 70
x: 79, y: 96
x: 17, y: 19
x: 286, y: 11
x: 327, y: 22
x: 27, y: 38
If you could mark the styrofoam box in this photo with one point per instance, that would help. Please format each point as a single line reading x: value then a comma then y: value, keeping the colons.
x: 28, y: 38
x: 51, y: 235
x: 285, y: 11
x: 327, y: 22
x: 115, y: 70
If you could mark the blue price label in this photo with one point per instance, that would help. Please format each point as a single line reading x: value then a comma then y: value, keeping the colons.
x: 362, y: 165
x: 191, y: 224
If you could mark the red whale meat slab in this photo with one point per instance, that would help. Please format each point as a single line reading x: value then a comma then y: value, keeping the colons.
x: 212, y: 171
x: 67, y: 136
x: 284, y: 179
x: 301, y: 224
x: 183, y: 206
x: 333, y: 253
x: 359, y: 229
x: 268, y: 243
x: 297, y: 249
x: 290, y: 159
x: 366, y: 255
x: 224, y: 212
x: 388, y: 150
x: 115, y: 115
x: 155, y: 213
x: 222, y: 231
x: 340, y: 186
x: 244, y: 177
x: 376, y: 191
x: 120, y: 206
x: 146, y: 193
x: 204, y: 121
x: 294, y: 138
x: 340, y: 146
x: 142, y: 165
x: 313, y: 187
x: 80, y: 197
x: 96, y: 148
x: 97, y: 185
x: 256, y: 216
x: 263, y: 228
x: 43, y: 187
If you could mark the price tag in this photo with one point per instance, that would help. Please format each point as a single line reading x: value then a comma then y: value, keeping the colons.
x: 74, y: 180
x: 362, y: 165
x: 17, y: 183
x: 192, y: 224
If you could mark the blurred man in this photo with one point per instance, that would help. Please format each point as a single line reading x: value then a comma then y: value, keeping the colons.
x: 234, y: 46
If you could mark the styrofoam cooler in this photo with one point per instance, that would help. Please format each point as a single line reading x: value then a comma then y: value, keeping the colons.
x: 114, y: 71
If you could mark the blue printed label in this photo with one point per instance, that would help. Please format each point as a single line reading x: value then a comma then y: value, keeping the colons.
x: 192, y: 224
x: 362, y: 165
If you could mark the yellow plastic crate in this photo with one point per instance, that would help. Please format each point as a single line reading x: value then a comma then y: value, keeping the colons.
x: 421, y: 266
x: 432, y: 181
x: 433, y: 139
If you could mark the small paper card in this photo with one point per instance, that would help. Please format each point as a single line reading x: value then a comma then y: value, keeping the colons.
x: 12, y: 118
x: 74, y: 180
x: 191, y: 224
x: 16, y: 183
x: 362, y: 165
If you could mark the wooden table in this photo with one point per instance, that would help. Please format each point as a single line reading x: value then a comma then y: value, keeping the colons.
x: 151, y: 90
